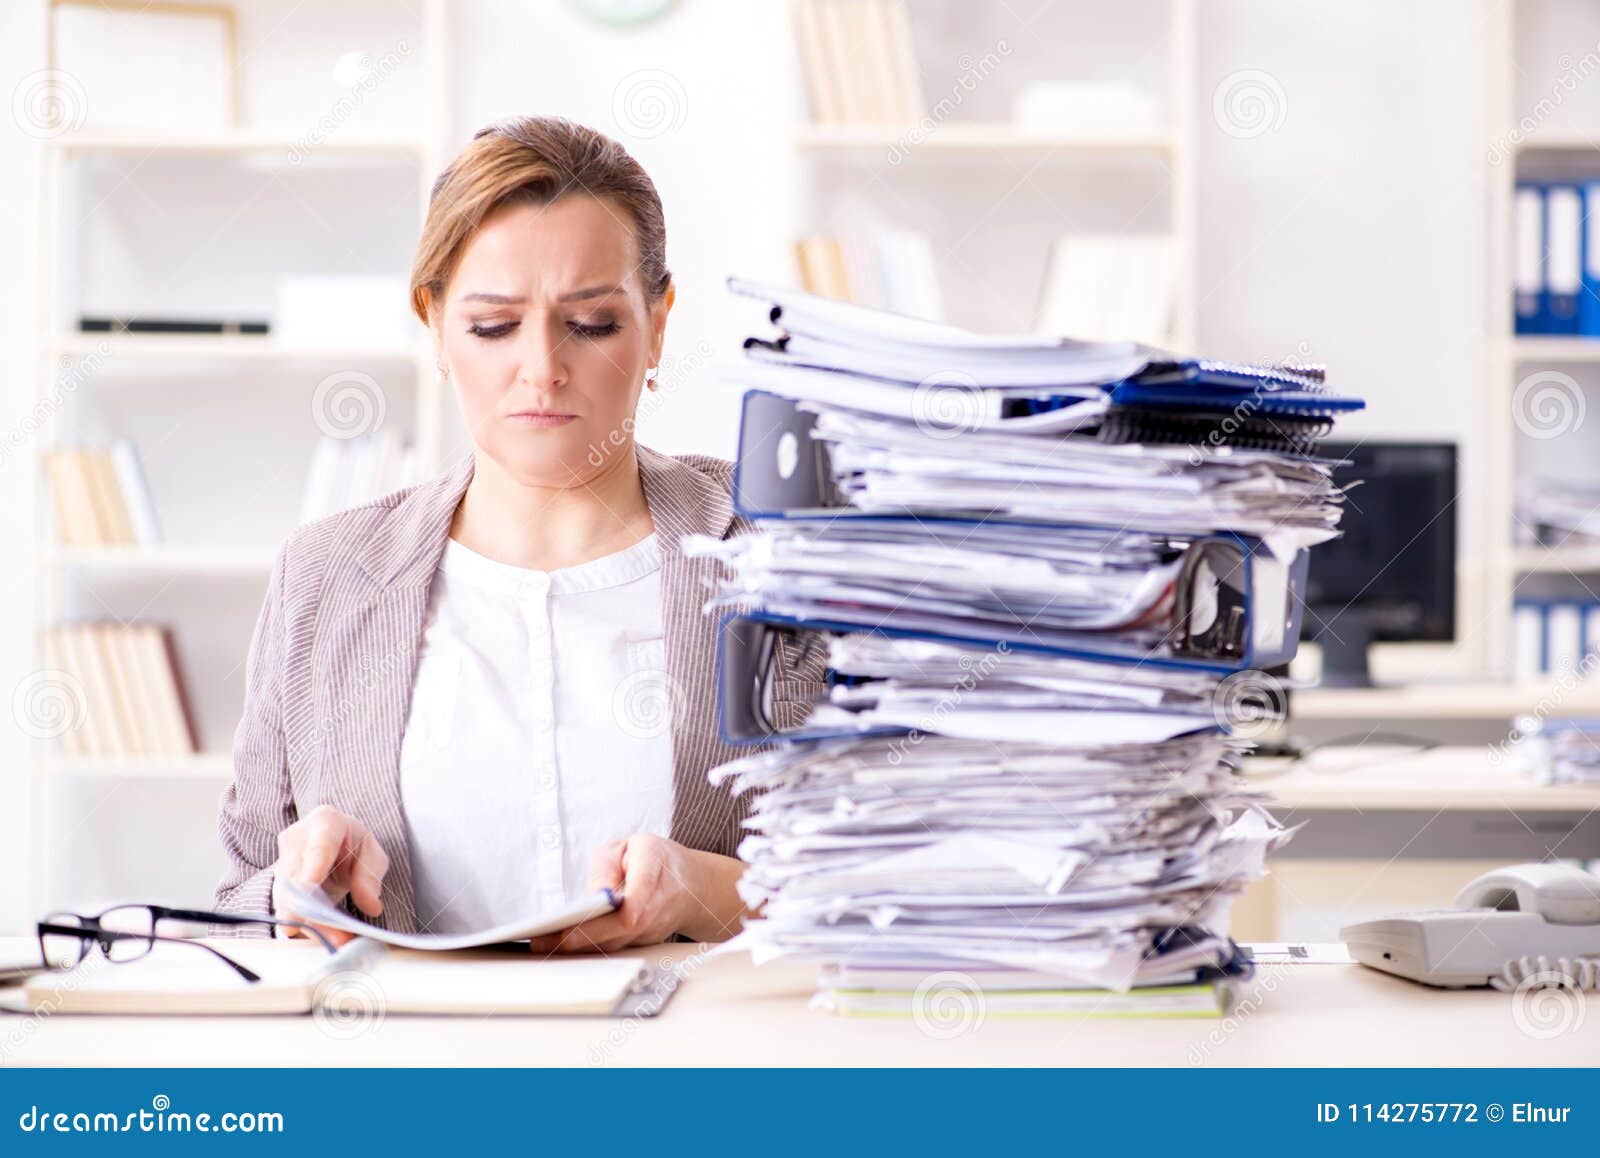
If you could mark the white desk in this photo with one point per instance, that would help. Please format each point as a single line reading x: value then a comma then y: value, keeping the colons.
x: 1441, y: 700
x: 731, y: 1013
x: 1376, y: 778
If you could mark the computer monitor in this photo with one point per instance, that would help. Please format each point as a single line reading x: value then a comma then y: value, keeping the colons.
x: 1391, y: 577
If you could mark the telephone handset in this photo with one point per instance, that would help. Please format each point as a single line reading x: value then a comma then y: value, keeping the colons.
x: 1536, y: 923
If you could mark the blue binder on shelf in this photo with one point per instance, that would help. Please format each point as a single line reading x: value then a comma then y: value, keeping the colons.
x: 1527, y: 260
x: 1589, y: 299
x: 1564, y: 257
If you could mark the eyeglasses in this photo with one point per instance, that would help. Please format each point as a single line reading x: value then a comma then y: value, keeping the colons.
x: 129, y: 932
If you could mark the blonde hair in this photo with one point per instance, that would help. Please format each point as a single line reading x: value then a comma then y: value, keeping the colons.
x: 534, y: 161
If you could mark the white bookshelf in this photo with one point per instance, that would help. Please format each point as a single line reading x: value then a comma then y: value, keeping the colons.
x: 126, y: 362
x: 1503, y: 566
x: 920, y: 149
x: 223, y: 347
x: 159, y: 560
x: 979, y: 137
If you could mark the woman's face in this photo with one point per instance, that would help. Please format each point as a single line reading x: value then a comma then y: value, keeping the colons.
x: 547, y: 336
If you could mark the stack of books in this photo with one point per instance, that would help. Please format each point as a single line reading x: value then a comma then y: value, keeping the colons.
x: 859, y: 62
x: 100, y: 497
x: 1030, y: 586
x: 128, y: 698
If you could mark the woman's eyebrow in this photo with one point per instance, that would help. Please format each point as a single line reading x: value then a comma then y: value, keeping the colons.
x: 594, y: 291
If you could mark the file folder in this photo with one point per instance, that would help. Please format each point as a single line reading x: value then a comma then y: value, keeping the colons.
x: 1237, y: 607
x: 1528, y: 260
x: 1563, y: 257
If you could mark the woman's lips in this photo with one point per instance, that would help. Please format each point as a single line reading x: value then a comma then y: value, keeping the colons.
x: 540, y: 418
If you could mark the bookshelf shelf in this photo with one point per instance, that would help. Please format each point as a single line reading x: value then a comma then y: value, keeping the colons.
x: 971, y: 137
x: 238, y: 142
x: 1559, y: 144
x: 1556, y: 349
x: 223, y: 347
x: 1556, y: 560
x: 161, y: 560
x: 199, y: 765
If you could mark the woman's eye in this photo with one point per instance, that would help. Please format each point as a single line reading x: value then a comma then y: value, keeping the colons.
x: 496, y: 331
x: 595, y: 331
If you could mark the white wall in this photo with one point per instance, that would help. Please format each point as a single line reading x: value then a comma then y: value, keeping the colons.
x: 1350, y: 232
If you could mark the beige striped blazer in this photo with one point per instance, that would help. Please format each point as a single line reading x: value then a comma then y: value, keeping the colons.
x: 330, y: 667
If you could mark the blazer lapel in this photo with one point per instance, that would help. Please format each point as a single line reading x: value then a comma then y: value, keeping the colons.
x: 683, y: 501
x: 368, y: 661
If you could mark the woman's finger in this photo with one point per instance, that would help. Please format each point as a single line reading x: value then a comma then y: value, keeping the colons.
x: 366, y: 876
x: 327, y: 834
x: 606, y: 871
x: 597, y: 932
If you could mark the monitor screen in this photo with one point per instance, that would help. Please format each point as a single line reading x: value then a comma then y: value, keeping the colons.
x: 1394, y: 568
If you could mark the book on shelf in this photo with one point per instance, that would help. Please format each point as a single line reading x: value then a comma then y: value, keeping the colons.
x: 1109, y: 288
x: 132, y: 697
x: 859, y: 61
x: 101, y: 498
x: 152, y: 325
x: 346, y: 472
x: 888, y: 268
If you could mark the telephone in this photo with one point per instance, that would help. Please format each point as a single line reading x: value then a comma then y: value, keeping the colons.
x: 1530, y: 923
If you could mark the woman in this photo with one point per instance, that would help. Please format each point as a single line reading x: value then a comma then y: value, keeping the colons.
x: 492, y: 692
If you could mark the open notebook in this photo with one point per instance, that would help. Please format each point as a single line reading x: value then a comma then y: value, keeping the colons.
x: 470, y: 973
x: 363, y: 977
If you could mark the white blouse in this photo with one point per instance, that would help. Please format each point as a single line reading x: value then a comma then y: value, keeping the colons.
x: 538, y: 729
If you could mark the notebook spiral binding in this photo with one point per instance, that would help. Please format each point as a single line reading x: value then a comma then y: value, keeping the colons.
x: 1248, y: 432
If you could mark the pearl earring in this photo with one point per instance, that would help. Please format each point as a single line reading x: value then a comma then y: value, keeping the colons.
x: 650, y: 380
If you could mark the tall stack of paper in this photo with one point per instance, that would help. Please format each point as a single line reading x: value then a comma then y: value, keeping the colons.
x: 1030, y: 585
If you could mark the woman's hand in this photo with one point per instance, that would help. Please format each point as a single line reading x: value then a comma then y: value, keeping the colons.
x: 666, y: 889
x: 333, y: 852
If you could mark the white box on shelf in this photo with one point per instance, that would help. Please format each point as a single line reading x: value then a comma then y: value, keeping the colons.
x: 322, y: 311
x: 1092, y: 108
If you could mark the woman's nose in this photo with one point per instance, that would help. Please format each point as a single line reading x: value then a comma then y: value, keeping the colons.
x: 543, y: 358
